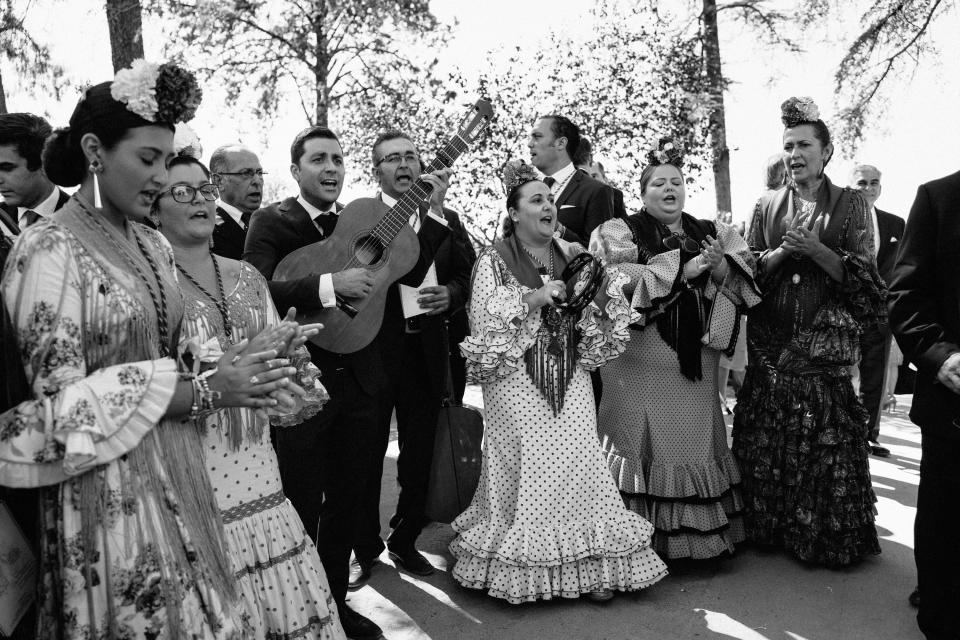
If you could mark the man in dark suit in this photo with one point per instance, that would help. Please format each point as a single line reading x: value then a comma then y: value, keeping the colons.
x: 925, y: 318
x: 325, y: 462
x: 415, y: 351
x: 875, y: 345
x: 238, y: 175
x: 28, y: 194
x: 582, y: 202
x: 584, y: 161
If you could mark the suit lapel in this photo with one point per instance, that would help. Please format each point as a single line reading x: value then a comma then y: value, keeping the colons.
x: 299, y: 219
x: 564, y: 196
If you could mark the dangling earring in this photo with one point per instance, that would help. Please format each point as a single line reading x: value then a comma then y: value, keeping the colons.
x: 95, y: 168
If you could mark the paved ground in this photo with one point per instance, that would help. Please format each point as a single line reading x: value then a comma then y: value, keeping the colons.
x: 755, y: 595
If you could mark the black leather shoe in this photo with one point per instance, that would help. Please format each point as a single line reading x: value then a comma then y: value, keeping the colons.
x: 411, y: 560
x: 358, y: 627
x: 359, y: 573
x: 879, y: 451
x: 915, y: 598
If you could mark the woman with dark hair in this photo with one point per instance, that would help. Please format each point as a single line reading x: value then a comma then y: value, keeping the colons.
x: 660, y: 422
x: 800, y: 432
x: 132, y: 543
x: 546, y: 520
x: 282, y: 582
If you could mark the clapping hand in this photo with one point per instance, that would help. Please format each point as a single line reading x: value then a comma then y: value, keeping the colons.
x: 803, y: 241
x: 712, y: 253
x: 949, y: 373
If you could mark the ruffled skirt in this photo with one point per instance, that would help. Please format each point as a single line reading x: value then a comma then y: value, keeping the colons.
x: 665, y: 443
x: 801, y: 442
x: 546, y: 520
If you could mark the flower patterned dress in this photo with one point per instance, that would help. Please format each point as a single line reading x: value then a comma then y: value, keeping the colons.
x: 131, y: 543
x: 546, y: 520
x: 800, y: 431
x: 662, y: 432
x: 282, y: 581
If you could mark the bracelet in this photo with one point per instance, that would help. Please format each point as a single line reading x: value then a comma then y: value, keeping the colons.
x: 209, y: 397
x: 195, y: 413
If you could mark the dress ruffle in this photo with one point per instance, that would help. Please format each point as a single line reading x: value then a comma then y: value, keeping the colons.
x: 604, y: 337
x: 801, y: 443
x: 498, y: 350
x: 280, y: 575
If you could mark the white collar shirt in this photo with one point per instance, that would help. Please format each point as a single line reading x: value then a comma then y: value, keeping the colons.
x: 45, y: 209
x: 561, y: 178
x: 232, y: 211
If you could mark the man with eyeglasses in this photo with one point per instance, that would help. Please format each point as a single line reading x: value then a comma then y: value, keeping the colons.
x: 236, y: 171
x: 415, y: 351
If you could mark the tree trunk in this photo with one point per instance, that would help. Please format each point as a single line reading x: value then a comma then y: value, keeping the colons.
x: 126, y: 32
x: 718, y: 125
x: 322, y: 68
x: 3, y: 97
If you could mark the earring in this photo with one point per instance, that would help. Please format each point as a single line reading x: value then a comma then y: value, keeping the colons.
x: 96, y: 167
x: 155, y: 219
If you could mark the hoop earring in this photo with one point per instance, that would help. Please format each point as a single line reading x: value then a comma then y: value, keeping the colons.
x: 96, y: 167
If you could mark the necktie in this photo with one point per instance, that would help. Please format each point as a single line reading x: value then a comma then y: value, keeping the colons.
x: 245, y: 219
x: 326, y: 222
x: 550, y: 181
x: 29, y: 217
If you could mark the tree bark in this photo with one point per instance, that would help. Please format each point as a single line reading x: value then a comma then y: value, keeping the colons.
x: 3, y: 97
x: 718, y: 125
x: 126, y: 32
x: 322, y: 68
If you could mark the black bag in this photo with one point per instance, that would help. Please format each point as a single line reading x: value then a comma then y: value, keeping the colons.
x: 457, y: 456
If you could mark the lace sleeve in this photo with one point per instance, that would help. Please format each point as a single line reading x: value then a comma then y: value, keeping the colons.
x: 501, y: 323
x: 78, y: 419
x: 862, y: 289
x: 604, y: 336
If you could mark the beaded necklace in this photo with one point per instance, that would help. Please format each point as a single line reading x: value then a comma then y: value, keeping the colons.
x: 550, y: 274
x: 159, y: 305
x: 220, y: 304
x: 550, y: 314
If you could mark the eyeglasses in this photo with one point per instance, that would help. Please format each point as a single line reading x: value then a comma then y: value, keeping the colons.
x: 246, y: 174
x: 185, y: 194
x: 395, y: 158
x: 681, y: 241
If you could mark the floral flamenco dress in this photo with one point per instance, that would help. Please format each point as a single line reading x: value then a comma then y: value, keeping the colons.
x: 131, y: 543
x: 660, y: 423
x: 800, y: 432
x: 546, y: 520
x: 281, y: 579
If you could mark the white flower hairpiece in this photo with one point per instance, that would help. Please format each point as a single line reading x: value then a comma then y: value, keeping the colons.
x: 186, y: 142
x: 796, y: 111
x: 136, y: 87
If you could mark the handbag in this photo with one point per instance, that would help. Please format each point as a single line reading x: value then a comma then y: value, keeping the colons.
x: 457, y: 454
x: 723, y: 323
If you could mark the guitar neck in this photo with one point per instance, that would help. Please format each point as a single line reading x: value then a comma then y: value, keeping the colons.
x: 391, y: 224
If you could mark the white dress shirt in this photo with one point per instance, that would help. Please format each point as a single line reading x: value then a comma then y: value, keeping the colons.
x: 328, y: 297
x: 561, y: 178
x: 876, y: 231
x: 45, y: 209
x: 232, y: 211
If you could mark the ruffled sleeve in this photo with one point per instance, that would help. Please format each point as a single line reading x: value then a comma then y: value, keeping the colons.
x: 604, y: 335
x: 502, y: 326
x: 78, y: 419
x: 862, y: 290
x: 652, y: 287
x: 739, y: 284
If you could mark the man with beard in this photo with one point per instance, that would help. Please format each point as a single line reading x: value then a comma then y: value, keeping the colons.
x: 582, y: 202
x: 325, y: 461
x: 238, y: 175
x: 416, y: 353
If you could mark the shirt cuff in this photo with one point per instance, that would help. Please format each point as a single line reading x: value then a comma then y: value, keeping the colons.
x: 328, y: 297
x: 439, y: 219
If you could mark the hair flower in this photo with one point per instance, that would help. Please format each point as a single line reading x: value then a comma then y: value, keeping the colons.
x: 516, y: 173
x: 186, y: 142
x: 159, y: 93
x: 796, y: 111
x: 136, y: 88
x: 666, y: 153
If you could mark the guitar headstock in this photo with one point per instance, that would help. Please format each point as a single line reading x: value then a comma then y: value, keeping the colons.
x: 475, y: 121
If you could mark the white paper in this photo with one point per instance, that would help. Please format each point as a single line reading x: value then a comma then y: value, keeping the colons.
x: 18, y: 572
x: 409, y: 295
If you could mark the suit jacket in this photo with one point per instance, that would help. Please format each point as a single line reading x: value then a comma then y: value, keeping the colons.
x: 229, y: 236
x: 925, y: 301
x: 454, y: 262
x: 582, y: 206
x: 283, y: 227
x: 619, y: 208
x: 9, y: 214
x: 890, y: 232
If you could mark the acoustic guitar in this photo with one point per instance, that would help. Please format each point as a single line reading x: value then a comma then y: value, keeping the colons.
x: 373, y: 236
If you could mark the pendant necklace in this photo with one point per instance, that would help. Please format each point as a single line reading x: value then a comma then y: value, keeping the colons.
x: 551, y: 315
x: 807, y: 209
x: 221, y: 303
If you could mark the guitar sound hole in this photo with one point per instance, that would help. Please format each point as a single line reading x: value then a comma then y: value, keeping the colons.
x: 368, y: 251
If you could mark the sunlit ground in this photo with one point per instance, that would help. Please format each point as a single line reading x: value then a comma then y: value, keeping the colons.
x: 754, y: 595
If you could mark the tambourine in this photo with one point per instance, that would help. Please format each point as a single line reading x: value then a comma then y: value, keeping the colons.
x: 583, y: 276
